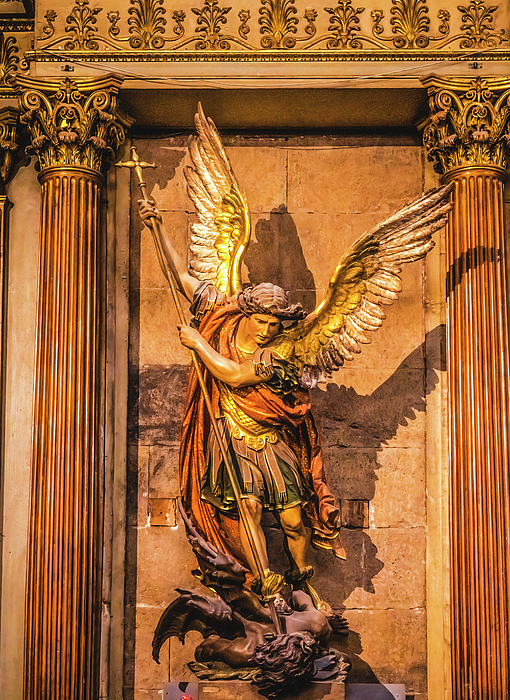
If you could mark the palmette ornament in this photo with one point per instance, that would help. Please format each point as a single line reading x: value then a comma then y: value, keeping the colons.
x: 365, y: 280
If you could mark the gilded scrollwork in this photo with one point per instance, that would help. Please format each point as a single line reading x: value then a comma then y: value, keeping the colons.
x: 12, y: 59
x: 278, y: 22
x: 244, y: 30
x: 344, y: 24
x: 8, y: 144
x: 469, y: 123
x: 81, y: 26
x: 406, y: 27
x: 72, y: 123
x: 478, y: 26
x: 48, y: 29
x: 9, y: 59
x: 410, y: 24
x: 147, y: 24
x: 210, y: 19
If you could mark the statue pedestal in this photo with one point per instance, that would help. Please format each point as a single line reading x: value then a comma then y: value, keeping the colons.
x: 244, y: 690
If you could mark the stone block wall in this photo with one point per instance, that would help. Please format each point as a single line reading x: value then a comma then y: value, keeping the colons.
x: 310, y: 197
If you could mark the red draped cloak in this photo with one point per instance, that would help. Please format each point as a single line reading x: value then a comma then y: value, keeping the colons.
x: 293, y: 419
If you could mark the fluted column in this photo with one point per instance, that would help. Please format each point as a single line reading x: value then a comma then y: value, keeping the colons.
x: 467, y: 135
x: 73, y: 128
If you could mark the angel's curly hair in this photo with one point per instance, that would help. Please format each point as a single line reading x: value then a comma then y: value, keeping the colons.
x: 267, y: 298
x: 283, y: 663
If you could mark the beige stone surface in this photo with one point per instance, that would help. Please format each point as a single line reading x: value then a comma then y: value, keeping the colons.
x: 166, y: 184
x: 392, y: 413
x: 176, y: 227
x: 138, y: 457
x: 164, y: 471
x: 399, y: 499
x: 391, y: 643
x: 165, y: 561
x: 159, y: 340
x: 181, y: 655
x: 148, y: 674
x: 400, y: 584
x: 392, y: 479
x: 148, y: 695
x: 261, y: 174
x: 350, y: 180
x: 246, y: 691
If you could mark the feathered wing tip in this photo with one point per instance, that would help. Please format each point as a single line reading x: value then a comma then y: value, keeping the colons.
x: 222, y: 233
x: 367, y: 279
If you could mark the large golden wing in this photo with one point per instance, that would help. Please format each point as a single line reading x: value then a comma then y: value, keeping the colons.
x: 220, y: 237
x: 366, y: 278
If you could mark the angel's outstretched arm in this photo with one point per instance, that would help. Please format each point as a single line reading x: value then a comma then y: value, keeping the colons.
x: 227, y: 371
x: 148, y: 211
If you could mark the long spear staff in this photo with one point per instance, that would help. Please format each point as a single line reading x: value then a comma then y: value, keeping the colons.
x: 174, y: 281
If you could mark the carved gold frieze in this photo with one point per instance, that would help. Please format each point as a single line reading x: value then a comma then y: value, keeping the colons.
x: 72, y: 123
x: 469, y: 123
x: 274, y: 25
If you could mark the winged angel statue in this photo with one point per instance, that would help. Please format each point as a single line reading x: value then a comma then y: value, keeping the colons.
x: 261, y: 354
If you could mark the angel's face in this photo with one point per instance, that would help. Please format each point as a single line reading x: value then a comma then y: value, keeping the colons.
x: 262, y: 327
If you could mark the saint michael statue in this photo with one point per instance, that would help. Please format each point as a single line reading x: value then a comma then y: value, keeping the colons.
x: 260, y: 356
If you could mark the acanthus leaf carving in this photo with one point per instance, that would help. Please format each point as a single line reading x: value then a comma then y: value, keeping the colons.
x: 75, y: 124
x: 468, y: 123
x: 9, y: 60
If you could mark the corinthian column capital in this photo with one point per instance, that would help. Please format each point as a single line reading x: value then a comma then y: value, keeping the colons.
x: 468, y: 124
x: 72, y: 123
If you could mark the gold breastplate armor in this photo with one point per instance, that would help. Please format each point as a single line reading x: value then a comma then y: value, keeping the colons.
x: 241, y: 425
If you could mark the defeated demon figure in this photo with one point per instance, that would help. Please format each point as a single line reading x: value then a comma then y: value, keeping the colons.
x: 240, y: 639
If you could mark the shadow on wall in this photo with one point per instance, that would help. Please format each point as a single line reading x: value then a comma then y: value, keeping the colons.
x: 268, y: 259
x: 349, y: 420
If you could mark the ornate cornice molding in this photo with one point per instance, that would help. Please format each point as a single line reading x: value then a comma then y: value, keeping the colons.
x: 295, y: 56
x: 17, y: 24
x: 8, y: 144
x: 469, y: 123
x: 72, y: 123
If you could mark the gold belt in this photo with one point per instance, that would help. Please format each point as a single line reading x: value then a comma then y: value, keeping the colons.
x: 241, y: 425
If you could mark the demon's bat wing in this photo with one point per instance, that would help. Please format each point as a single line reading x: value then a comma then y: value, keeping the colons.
x: 192, y: 610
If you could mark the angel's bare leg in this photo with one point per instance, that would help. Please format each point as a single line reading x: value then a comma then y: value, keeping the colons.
x: 255, y: 510
x: 295, y: 533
